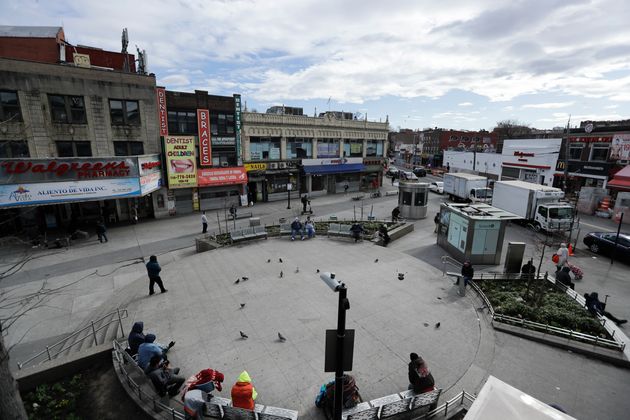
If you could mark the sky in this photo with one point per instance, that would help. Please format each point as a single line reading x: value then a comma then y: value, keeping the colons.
x: 456, y: 64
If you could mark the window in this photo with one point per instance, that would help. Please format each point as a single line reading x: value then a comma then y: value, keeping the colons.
x: 9, y: 106
x: 13, y: 149
x: 74, y: 148
x: 420, y: 199
x: 221, y: 124
x: 298, y: 148
x: 66, y: 109
x: 182, y: 122
x: 264, y: 148
x: 328, y: 148
x: 575, y: 151
x: 128, y: 148
x: 123, y: 112
x: 406, y: 198
x: 542, y: 211
x: 599, y: 151
x: 560, y: 213
x: 374, y: 148
x: 353, y: 148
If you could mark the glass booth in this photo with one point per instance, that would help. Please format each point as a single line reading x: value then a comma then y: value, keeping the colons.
x: 412, y: 199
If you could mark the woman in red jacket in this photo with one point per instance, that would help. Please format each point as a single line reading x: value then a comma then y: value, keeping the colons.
x: 243, y: 392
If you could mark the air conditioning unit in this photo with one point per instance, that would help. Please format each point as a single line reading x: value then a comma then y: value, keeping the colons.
x: 282, y: 165
x: 273, y: 165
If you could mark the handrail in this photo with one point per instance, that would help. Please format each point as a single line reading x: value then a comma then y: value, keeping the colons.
x: 458, y: 400
x: 157, y: 403
x: 446, y: 259
x: 121, y: 314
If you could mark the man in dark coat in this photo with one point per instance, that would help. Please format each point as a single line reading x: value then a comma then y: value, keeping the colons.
x: 100, y: 230
x: 304, y: 200
x: 564, y: 277
x: 136, y: 337
x: 467, y: 272
x: 164, y: 379
x: 596, y: 307
x: 153, y: 270
x: 356, y: 230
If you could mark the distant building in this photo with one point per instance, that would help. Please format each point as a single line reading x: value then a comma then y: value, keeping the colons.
x: 285, y: 110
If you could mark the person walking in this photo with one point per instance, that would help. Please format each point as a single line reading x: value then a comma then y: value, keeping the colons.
x: 467, y: 273
x: 204, y: 222
x: 296, y: 227
x: 345, y: 187
x: 233, y: 211
x: 153, y: 270
x: 563, y: 256
x: 101, y: 230
x: 304, y: 200
x: 436, y: 220
x: 243, y: 392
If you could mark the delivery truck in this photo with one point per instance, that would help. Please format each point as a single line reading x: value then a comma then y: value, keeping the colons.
x: 538, y: 205
x: 467, y: 187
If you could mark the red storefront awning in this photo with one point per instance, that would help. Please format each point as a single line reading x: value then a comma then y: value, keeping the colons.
x: 621, y: 180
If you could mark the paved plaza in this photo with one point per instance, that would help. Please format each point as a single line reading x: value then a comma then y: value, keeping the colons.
x: 392, y: 318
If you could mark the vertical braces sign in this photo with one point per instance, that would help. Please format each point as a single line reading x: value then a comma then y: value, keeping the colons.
x: 203, y: 128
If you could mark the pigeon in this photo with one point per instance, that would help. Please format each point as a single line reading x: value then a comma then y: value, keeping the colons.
x: 318, y: 270
x: 297, y: 269
x: 281, y: 274
x: 243, y: 335
x: 242, y: 305
x: 439, y: 298
x: 279, y: 259
x: 269, y: 260
x: 237, y: 281
x: 376, y: 260
x: 437, y: 325
x: 281, y: 337
x: 245, y: 278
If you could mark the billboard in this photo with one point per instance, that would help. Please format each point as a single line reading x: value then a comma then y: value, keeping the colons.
x: 62, y: 192
x: 620, y: 147
x: 222, y: 176
x: 162, y: 114
x: 203, y: 128
x: 181, y: 164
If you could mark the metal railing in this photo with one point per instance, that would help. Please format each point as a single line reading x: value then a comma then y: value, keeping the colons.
x: 463, y: 398
x: 91, y: 333
x: 546, y: 328
x: 121, y: 358
x: 446, y: 259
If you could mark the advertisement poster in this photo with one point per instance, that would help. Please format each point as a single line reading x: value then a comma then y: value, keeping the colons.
x: 203, y: 129
x: 222, y: 176
x: 61, y: 192
x: 150, y: 183
x: 162, y: 114
x: 181, y: 165
x: 620, y: 147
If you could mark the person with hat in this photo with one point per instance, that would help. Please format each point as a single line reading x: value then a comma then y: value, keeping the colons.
x: 243, y: 392
x: 149, y: 349
x: 296, y: 227
x: 196, y: 390
x: 420, y: 378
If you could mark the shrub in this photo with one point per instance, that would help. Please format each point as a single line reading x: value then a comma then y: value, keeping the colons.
x: 56, y: 402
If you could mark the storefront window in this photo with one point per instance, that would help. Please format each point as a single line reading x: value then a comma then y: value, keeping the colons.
x: 374, y: 148
x: 575, y: 151
x: 318, y: 183
x: 264, y: 148
x: 353, y: 148
x: 328, y: 148
x: 299, y: 148
x: 599, y: 152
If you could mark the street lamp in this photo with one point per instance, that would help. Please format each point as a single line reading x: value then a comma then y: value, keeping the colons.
x: 289, y: 188
x: 344, y: 304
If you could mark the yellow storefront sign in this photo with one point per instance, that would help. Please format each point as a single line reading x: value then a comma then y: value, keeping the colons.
x: 255, y: 167
x: 181, y: 163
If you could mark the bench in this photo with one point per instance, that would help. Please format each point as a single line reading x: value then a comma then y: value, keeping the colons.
x: 221, y: 408
x: 256, y: 232
x: 285, y: 229
x: 358, y: 197
x: 240, y: 215
x: 407, y: 402
x: 336, y: 229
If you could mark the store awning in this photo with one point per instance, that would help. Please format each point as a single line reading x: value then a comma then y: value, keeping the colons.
x: 334, y: 169
x: 621, y: 179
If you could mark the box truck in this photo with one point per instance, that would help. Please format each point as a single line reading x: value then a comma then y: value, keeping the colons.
x: 539, y: 205
x: 467, y: 187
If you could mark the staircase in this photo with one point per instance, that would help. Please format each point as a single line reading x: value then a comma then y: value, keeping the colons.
x: 103, y: 330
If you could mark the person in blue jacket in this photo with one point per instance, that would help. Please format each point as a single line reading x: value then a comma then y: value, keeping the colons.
x: 150, y: 349
x: 153, y: 270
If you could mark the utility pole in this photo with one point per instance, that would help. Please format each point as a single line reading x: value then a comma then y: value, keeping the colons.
x: 566, y: 160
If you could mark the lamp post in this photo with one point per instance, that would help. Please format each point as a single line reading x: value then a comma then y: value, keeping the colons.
x: 344, y: 305
x: 289, y: 188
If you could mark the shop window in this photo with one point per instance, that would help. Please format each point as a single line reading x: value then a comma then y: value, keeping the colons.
x: 14, y: 149
x: 264, y: 148
x: 353, y: 148
x: 299, y: 149
x: 599, y: 152
x: 575, y: 151
x: 223, y: 159
x: 221, y: 124
x: 74, y: 148
x: 9, y: 106
x: 128, y: 148
x: 328, y: 148
x: 374, y: 148
x: 182, y: 122
x: 124, y: 112
x: 67, y: 109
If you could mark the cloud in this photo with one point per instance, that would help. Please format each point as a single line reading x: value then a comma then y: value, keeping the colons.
x: 465, y: 104
x: 174, y: 80
x: 549, y: 105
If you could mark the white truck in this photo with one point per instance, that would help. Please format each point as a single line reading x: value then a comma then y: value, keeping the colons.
x: 467, y: 187
x: 539, y: 205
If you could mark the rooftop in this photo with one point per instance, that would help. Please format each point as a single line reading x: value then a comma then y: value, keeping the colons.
x: 29, y: 31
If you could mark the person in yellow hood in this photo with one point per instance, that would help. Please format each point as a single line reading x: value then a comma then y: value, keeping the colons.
x: 243, y: 392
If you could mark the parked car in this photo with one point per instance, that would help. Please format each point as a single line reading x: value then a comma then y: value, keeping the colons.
x: 437, y: 187
x: 392, y: 171
x: 604, y: 243
x: 419, y: 171
x: 408, y: 176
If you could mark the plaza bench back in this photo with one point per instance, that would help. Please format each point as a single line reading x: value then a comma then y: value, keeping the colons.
x: 285, y: 229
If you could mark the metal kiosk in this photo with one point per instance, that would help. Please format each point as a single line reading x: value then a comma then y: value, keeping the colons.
x: 412, y: 199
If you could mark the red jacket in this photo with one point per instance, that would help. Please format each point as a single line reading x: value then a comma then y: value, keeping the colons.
x: 243, y: 392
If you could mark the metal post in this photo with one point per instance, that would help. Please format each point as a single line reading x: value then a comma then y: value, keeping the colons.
x: 122, y: 332
x: 341, y: 334
x: 48, y: 352
x: 614, y: 253
x: 94, y: 333
x: 566, y: 160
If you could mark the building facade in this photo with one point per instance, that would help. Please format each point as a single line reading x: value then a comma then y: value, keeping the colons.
x: 314, y: 155
x: 75, y: 143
